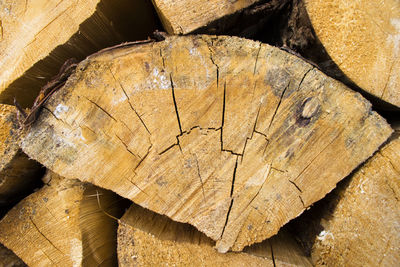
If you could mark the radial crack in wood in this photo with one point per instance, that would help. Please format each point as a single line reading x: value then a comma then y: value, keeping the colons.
x: 230, y: 135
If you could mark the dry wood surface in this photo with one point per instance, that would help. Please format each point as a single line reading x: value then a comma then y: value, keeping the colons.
x: 63, y: 224
x: 363, y: 229
x: 36, y: 37
x: 232, y: 136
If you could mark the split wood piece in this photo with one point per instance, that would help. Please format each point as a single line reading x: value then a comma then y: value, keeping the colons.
x: 37, y: 37
x: 232, y: 136
x: 363, y: 229
x: 186, y: 16
x: 18, y: 174
x: 51, y: 226
x: 9, y: 259
x: 362, y: 38
x: 149, y: 239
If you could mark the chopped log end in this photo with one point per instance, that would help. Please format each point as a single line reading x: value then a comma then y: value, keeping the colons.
x: 147, y: 239
x: 76, y: 30
x: 62, y: 224
x: 224, y: 133
x: 19, y: 175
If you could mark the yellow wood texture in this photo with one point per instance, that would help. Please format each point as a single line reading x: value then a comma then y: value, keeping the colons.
x: 363, y: 39
x: 149, y: 239
x: 363, y: 229
x: 232, y: 136
x: 37, y: 36
x: 185, y: 16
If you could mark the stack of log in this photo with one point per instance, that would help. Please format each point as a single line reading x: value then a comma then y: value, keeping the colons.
x: 200, y: 133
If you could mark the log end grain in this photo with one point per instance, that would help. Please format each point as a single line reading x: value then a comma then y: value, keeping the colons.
x: 224, y: 133
x: 362, y: 39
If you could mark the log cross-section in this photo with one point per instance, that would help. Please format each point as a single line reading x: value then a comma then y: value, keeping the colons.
x: 230, y: 135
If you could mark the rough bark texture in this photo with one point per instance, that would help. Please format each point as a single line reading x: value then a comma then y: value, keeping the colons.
x: 363, y: 228
x: 63, y: 225
x: 36, y: 37
x: 362, y: 38
x: 18, y: 174
x: 224, y: 133
x: 149, y: 239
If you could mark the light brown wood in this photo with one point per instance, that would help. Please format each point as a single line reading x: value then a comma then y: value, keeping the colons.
x: 149, y: 239
x: 363, y: 229
x: 363, y: 39
x: 230, y: 135
x: 98, y: 213
x: 239, y: 18
x: 62, y: 225
x: 18, y: 174
x: 37, y: 36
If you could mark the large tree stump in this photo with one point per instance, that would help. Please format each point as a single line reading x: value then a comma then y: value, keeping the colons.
x: 149, y: 239
x: 229, y: 135
x: 37, y: 37
x: 362, y: 38
x: 363, y: 228
x: 18, y: 174
x: 63, y: 225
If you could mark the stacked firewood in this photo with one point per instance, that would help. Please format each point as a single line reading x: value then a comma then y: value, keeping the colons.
x: 200, y: 133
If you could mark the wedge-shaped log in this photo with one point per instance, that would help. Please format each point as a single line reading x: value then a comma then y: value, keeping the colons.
x: 362, y: 38
x: 19, y: 175
x: 63, y: 224
x: 146, y: 238
x: 229, y: 135
x: 38, y: 36
x: 186, y: 16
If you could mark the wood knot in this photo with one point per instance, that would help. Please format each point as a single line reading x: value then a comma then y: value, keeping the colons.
x: 310, y: 107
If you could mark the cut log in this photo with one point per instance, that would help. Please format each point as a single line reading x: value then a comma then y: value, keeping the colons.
x: 18, y: 174
x: 362, y: 38
x: 363, y: 228
x: 215, y: 16
x: 149, y: 239
x: 51, y: 226
x: 232, y: 136
x: 37, y: 37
